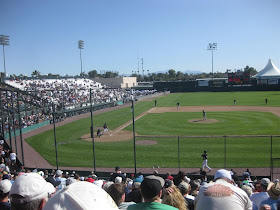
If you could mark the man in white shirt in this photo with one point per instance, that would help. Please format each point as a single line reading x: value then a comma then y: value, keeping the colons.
x: 257, y: 198
x: 222, y: 194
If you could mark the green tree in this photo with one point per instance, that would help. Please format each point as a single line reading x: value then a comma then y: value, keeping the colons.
x: 250, y: 70
x: 179, y: 75
x: 172, y: 74
x: 36, y: 73
x: 92, y: 74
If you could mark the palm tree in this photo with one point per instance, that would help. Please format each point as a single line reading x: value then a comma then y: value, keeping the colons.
x: 35, y: 73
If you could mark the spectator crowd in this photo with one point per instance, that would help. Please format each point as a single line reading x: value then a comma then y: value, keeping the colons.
x: 25, y: 189
x: 36, y: 96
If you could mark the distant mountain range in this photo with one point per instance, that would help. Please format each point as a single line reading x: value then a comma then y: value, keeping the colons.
x: 186, y: 71
x: 164, y: 71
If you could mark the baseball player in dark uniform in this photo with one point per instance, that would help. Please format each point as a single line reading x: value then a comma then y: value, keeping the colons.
x: 204, y: 115
x: 105, y: 127
x: 204, y: 163
x: 178, y: 105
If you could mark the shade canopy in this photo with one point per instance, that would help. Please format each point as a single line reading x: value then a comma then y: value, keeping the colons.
x: 270, y: 71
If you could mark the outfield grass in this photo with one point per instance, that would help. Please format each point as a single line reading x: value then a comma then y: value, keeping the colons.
x: 72, y: 151
x: 229, y: 123
x: 221, y: 98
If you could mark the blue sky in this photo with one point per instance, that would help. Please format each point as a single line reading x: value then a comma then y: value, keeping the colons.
x: 167, y: 34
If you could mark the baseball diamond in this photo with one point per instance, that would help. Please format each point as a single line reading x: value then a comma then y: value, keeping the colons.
x: 153, y: 128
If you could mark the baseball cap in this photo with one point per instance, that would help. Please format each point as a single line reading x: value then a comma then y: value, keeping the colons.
x: 70, y: 181
x: 58, y: 172
x: 265, y: 181
x: 81, y: 195
x: 187, y: 179
x: 223, y: 173
x: 183, y: 186
x: 31, y: 186
x: 168, y: 183
x: 98, y: 183
x: 5, y: 186
x: 118, y: 179
x: 151, y: 186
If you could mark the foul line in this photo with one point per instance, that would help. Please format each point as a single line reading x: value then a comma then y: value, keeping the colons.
x: 137, y: 118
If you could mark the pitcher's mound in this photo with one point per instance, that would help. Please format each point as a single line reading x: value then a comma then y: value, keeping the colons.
x: 119, y: 136
x: 203, y: 121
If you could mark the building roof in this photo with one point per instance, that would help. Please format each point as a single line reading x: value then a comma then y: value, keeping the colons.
x: 270, y: 71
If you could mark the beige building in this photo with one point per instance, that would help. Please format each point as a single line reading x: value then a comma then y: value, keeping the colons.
x: 118, y: 82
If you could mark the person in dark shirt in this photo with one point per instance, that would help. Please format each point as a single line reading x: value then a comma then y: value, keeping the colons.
x: 178, y: 105
x: 116, y: 174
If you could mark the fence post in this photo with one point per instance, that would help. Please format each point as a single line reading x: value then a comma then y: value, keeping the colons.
x: 179, y: 153
x: 92, y: 130
x: 55, y: 143
x: 13, y: 121
x: 225, y: 150
x: 271, y: 162
x: 134, y: 140
x: 20, y: 131
x: 8, y: 119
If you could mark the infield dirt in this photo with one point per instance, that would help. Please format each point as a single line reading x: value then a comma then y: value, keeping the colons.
x: 119, y: 134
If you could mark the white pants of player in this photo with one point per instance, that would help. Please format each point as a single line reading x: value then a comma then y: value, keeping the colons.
x: 106, y: 130
x: 204, y: 164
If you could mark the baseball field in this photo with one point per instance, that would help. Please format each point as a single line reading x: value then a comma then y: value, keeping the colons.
x: 164, y: 133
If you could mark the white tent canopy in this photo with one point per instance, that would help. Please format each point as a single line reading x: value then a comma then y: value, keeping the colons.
x: 270, y: 71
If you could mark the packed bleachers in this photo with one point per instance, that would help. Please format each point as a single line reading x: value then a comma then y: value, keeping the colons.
x: 34, y: 99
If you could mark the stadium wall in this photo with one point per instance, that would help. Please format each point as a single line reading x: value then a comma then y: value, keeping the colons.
x: 192, y: 86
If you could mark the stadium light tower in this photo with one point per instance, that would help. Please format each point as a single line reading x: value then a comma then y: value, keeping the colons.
x: 142, y: 67
x: 81, y: 46
x: 212, y: 46
x: 4, y: 40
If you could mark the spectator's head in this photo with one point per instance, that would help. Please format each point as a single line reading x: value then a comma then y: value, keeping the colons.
x: 81, y: 195
x: 5, y: 187
x: 107, y: 185
x: 223, y: 174
x: 264, y: 183
x: 136, y: 185
x: 195, y: 185
x: 273, y: 190
x: 151, y: 188
x: 117, y: 168
x: 168, y: 183
x: 247, y: 189
x: 118, y: 179
x: 184, y: 188
x: 175, y: 198
x: 117, y: 192
x: 58, y: 173
x: 155, y: 172
x: 98, y: 183
x: 30, y: 191
x: 70, y: 180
